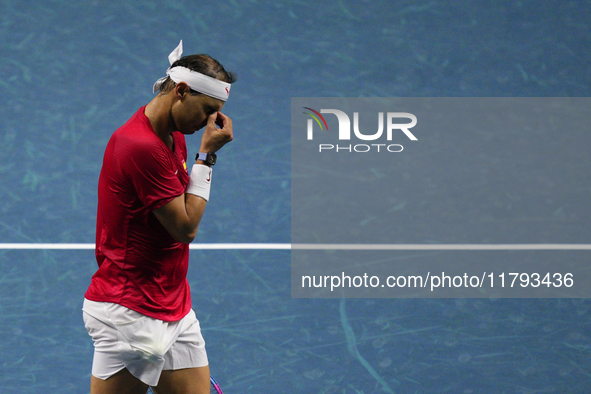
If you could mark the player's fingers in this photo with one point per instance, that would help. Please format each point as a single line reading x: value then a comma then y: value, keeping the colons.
x: 222, y: 120
x: 228, y: 126
x: 212, y: 119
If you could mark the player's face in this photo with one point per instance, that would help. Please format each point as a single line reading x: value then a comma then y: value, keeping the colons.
x: 192, y: 112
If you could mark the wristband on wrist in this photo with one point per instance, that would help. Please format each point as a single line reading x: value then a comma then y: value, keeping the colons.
x: 200, y: 181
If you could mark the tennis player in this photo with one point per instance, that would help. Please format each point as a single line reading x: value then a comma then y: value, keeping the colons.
x: 138, y: 306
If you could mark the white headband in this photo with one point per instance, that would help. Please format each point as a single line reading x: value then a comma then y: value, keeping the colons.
x: 202, y: 83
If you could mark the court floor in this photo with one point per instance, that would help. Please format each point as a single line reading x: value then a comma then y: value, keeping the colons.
x: 257, y: 335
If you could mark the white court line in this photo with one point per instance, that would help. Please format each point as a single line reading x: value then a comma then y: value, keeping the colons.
x: 23, y: 246
x: 442, y: 246
x: 64, y: 246
x: 263, y: 246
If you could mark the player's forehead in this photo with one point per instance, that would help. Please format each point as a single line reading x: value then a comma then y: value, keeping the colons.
x: 211, y: 104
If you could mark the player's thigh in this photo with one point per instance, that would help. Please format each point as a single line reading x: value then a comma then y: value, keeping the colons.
x: 123, y: 382
x: 184, y: 381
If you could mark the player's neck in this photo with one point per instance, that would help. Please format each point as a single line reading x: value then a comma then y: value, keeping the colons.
x: 158, y: 112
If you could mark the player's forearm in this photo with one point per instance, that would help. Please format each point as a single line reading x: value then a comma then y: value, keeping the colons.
x: 195, y: 208
x: 181, y: 216
x: 196, y: 197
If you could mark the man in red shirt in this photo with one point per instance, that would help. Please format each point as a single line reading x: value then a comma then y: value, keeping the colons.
x: 137, y: 308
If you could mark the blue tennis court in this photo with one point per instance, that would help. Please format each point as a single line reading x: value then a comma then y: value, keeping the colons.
x: 72, y: 72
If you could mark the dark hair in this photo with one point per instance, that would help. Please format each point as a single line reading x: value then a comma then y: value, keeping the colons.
x: 203, y: 64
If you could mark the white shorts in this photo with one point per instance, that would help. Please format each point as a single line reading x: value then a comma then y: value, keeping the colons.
x: 124, y: 338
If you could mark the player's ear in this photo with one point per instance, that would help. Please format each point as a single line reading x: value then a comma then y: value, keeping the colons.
x: 181, y: 89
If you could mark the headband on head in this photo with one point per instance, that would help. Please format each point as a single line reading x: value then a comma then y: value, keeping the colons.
x: 200, y: 82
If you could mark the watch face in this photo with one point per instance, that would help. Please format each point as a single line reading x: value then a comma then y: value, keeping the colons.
x: 209, y: 158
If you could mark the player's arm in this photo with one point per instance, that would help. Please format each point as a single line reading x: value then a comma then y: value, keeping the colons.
x: 181, y: 216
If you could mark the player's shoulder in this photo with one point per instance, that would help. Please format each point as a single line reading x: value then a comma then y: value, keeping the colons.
x: 137, y: 134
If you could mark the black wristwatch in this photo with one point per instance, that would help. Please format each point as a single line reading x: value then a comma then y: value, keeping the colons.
x: 208, y: 158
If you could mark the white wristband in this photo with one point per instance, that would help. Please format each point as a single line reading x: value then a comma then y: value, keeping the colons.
x: 200, y: 181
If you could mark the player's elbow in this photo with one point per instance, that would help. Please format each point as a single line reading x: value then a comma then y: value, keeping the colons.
x: 190, y: 237
x: 186, y: 237
x: 184, y: 240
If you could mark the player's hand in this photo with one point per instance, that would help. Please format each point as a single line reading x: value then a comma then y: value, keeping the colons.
x: 218, y: 132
